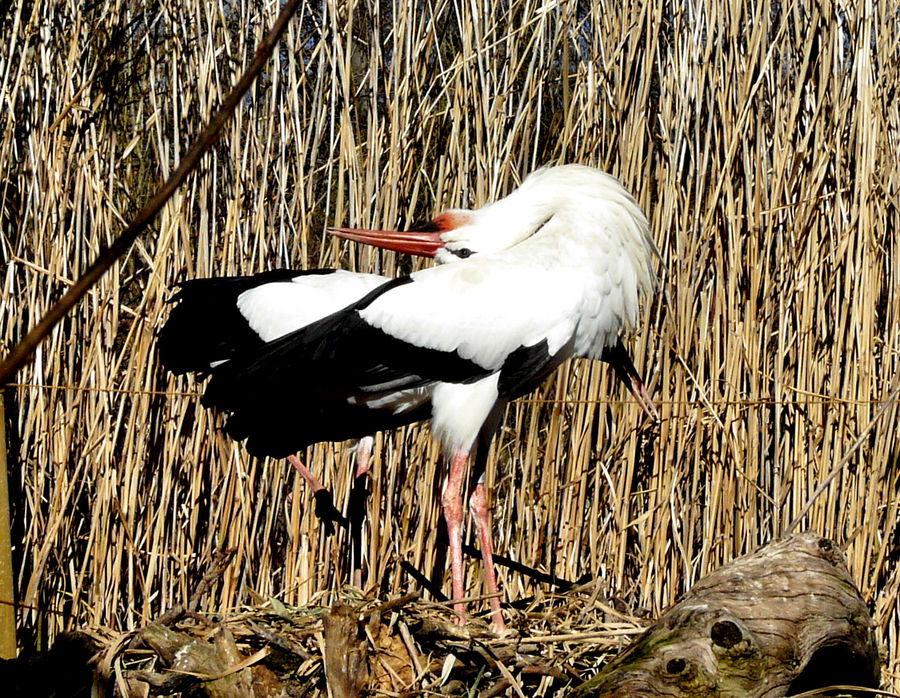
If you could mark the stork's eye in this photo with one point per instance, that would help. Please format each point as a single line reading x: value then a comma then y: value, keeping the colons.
x: 463, y: 252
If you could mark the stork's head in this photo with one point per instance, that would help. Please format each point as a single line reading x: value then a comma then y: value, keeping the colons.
x: 457, y: 234
x: 438, y: 238
x: 460, y: 233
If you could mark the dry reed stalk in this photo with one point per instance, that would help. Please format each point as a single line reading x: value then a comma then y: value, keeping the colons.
x: 7, y: 572
x: 761, y: 140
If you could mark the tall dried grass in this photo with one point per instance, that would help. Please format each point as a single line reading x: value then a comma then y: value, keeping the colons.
x: 761, y: 138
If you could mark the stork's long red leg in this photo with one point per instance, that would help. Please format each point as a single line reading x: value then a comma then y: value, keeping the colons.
x: 481, y: 513
x: 451, y: 499
x: 364, y: 455
x: 305, y: 473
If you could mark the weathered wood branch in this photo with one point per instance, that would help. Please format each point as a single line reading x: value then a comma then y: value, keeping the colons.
x: 196, y: 661
x: 345, y: 653
x: 22, y: 351
x: 781, y: 621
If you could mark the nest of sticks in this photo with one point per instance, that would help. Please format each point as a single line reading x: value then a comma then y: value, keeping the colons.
x: 362, y: 646
x: 354, y: 645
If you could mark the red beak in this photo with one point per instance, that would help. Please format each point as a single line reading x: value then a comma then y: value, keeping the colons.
x: 424, y: 244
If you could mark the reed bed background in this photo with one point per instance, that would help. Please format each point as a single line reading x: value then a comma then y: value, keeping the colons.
x: 761, y: 138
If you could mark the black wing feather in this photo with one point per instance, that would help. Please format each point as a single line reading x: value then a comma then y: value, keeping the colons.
x: 303, y: 388
x: 527, y: 367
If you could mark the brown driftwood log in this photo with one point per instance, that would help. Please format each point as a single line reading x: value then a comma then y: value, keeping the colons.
x: 781, y: 621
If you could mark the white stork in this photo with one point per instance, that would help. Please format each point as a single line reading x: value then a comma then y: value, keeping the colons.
x: 561, y: 264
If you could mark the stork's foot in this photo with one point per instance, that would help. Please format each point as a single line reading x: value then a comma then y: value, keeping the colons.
x: 327, y: 512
